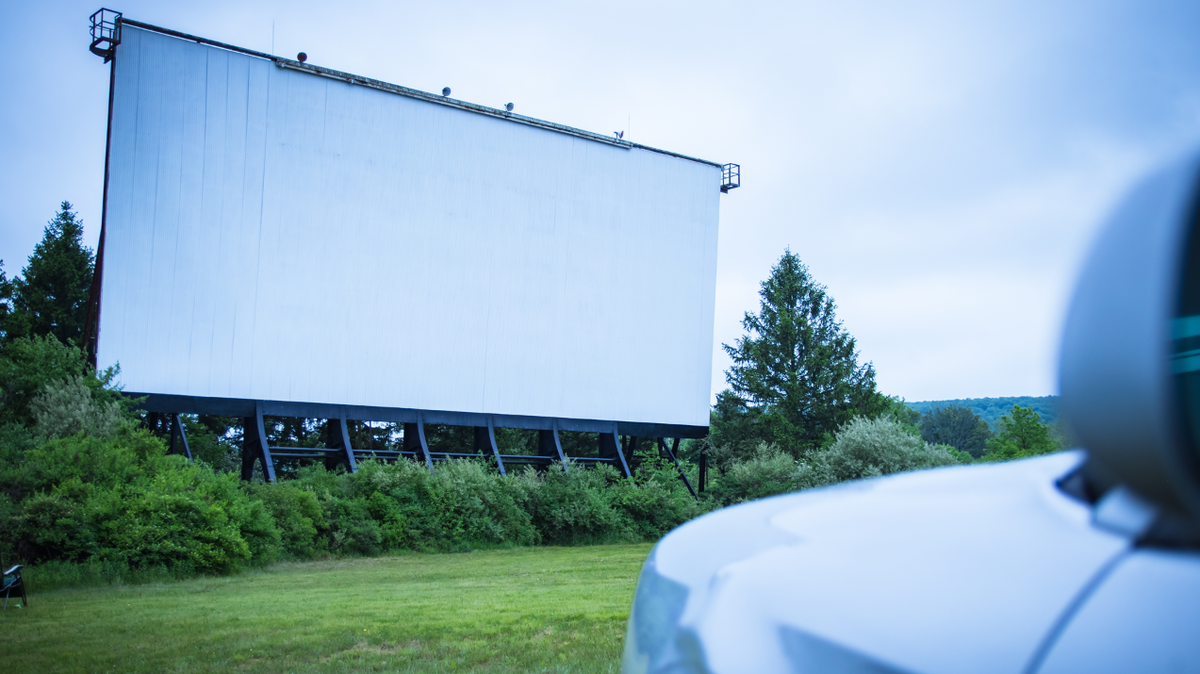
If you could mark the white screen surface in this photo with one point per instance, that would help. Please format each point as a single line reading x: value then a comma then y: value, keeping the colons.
x: 276, y: 235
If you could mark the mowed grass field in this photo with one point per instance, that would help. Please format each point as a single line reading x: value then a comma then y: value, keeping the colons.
x: 522, y: 610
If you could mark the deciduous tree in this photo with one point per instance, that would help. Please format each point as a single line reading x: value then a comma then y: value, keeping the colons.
x: 958, y: 427
x: 1021, y: 434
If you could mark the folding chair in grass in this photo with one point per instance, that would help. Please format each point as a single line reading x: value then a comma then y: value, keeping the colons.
x: 14, y: 584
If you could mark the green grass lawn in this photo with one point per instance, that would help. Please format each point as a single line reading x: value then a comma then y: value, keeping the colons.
x: 523, y: 610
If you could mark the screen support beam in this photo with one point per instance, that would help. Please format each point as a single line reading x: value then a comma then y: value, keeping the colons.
x: 177, y: 430
x: 265, y: 447
x: 491, y: 434
x: 558, y: 446
x: 346, y: 445
x: 255, y: 446
x: 620, y: 454
x: 424, y: 445
x: 662, y: 443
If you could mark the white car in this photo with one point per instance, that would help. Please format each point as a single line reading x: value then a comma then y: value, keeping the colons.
x: 1081, y: 561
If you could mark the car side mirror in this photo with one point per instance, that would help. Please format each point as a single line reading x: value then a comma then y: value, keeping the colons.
x: 1130, y: 361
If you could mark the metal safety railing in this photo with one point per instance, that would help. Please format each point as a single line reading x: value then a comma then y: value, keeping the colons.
x: 731, y: 177
x: 106, y: 33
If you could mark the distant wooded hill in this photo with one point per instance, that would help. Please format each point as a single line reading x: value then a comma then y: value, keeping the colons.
x: 992, y: 409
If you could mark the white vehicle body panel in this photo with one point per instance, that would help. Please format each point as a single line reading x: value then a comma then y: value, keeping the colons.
x: 966, y: 569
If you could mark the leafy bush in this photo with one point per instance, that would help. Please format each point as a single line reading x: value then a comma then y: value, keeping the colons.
x: 81, y: 485
x: 862, y: 448
x: 54, y: 526
x: 766, y: 472
x: 29, y: 364
x: 123, y: 499
x: 67, y: 407
x: 298, y: 517
x: 400, y: 505
x: 121, y: 508
x: 100, y: 463
x: 872, y: 447
x: 15, y: 441
x: 572, y: 508
x: 654, y: 503
x: 353, y: 529
x: 191, y: 519
x: 599, y: 505
x: 474, y: 505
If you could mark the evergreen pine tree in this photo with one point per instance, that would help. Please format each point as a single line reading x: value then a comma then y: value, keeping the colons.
x: 795, y: 377
x: 51, y: 295
x: 6, y: 290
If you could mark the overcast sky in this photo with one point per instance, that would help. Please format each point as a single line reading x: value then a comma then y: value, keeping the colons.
x: 940, y: 168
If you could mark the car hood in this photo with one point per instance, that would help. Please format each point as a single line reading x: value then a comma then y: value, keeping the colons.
x: 941, y: 571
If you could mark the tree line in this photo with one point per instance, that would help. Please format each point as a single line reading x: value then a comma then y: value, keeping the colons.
x: 991, y: 409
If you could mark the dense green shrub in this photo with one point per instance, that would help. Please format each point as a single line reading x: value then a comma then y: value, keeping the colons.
x: 466, y: 504
x: 29, y: 364
x: 190, y: 518
x: 570, y: 508
x: 54, y: 526
x: 123, y: 499
x: 599, y: 505
x: 766, y: 472
x: 400, y: 505
x: 862, y: 448
x: 15, y: 441
x: 100, y: 463
x: 298, y: 517
x: 474, y: 505
x: 121, y: 502
x: 86, y: 495
x: 66, y: 407
x: 872, y: 447
x: 657, y: 500
x: 353, y: 529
